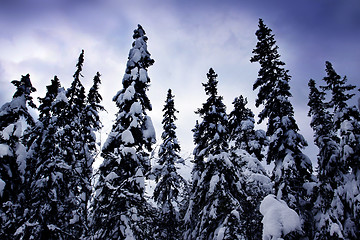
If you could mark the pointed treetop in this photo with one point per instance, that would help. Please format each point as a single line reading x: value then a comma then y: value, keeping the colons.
x: 79, y: 64
x: 211, y: 85
x: 139, y: 32
x: 24, y: 87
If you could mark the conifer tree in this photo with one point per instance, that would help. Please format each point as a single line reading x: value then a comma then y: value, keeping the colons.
x: 214, y: 209
x: 47, y: 172
x: 13, y: 115
x: 120, y: 210
x: 246, y: 150
x: 209, y: 138
x: 241, y: 129
x: 90, y: 123
x: 292, y: 168
x: 346, y: 121
x: 327, y: 214
x: 169, y: 183
x: 71, y: 141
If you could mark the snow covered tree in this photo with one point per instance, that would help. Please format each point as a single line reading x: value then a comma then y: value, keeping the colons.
x: 91, y: 124
x: 120, y: 210
x: 47, y: 172
x: 347, y: 125
x: 14, y: 119
x: 328, y: 205
x: 211, y: 134
x: 246, y: 150
x: 169, y: 183
x: 71, y: 142
x: 241, y: 129
x: 292, y: 168
x: 214, y: 210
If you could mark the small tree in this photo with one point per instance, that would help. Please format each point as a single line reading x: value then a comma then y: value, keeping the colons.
x: 169, y: 183
x: 12, y: 156
x: 242, y: 132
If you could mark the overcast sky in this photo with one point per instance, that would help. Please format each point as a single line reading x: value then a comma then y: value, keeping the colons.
x: 186, y: 38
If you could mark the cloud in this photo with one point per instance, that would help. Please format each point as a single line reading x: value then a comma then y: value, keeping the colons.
x: 186, y: 38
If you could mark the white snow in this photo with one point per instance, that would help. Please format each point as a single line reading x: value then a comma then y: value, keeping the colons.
x: 61, y: 96
x: 2, y: 186
x: 149, y: 131
x: 247, y: 124
x: 220, y: 233
x: 21, y: 157
x: 135, y: 55
x: 134, y: 73
x: 143, y: 75
x: 129, y: 93
x: 8, y: 131
x: 128, y: 150
x: 5, y: 150
x: 127, y: 137
x: 135, y: 108
x: 213, y: 182
x: 335, y: 228
x: 139, y: 178
x: 111, y: 176
x: 279, y: 219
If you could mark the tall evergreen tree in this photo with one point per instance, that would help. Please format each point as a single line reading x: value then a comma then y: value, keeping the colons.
x: 210, y: 136
x: 346, y: 121
x: 91, y: 124
x: 247, y: 145
x: 242, y: 132
x: 71, y: 141
x: 328, y: 205
x: 13, y: 115
x: 48, y: 173
x: 214, y: 210
x: 120, y: 210
x: 292, y: 167
x: 169, y: 183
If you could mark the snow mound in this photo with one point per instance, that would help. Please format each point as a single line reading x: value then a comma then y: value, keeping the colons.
x: 279, y: 219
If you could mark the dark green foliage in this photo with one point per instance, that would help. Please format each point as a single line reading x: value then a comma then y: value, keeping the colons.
x: 12, y: 159
x: 330, y: 169
x: 210, y: 136
x: 347, y: 129
x: 120, y: 209
x: 292, y: 168
x: 241, y: 129
x: 215, y: 208
x: 170, y: 185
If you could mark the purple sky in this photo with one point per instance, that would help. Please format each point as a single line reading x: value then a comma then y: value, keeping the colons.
x: 186, y: 38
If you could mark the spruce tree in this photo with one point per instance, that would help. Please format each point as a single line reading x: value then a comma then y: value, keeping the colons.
x: 14, y: 119
x: 48, y: 173
x: 292, y: 168
x: 242, y: 132
x: 247, y: 146
x: 214, y: 210
x: 91, y: 124
x: 346, y: 122
x: 120, y: 210
x: 170, y: 184
x: 328, y: 204
x: 71, y: 141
